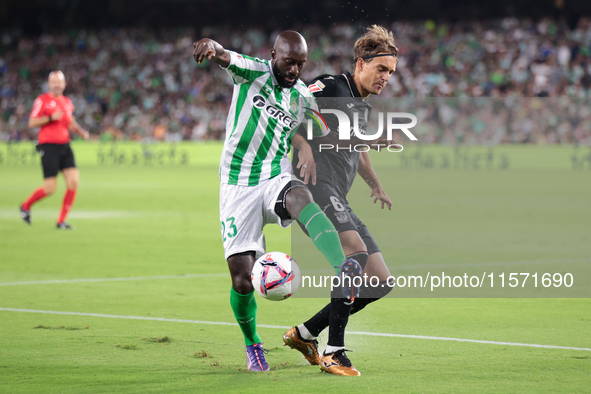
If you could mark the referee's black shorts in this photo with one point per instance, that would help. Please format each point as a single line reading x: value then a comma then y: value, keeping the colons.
x: 337, y: 208
x: 56, y: 157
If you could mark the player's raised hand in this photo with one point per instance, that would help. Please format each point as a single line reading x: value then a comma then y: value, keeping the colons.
x: 207, y: 48
x: 203, y: 49
x: 380, y: 194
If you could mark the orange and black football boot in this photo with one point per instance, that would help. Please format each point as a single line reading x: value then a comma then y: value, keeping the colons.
x: 308, y: 348
x: 338, y: 363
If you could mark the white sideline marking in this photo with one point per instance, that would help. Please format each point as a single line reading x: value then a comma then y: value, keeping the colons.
x: 80, y: 214
x: 375, y: 334
x: 43, y: 282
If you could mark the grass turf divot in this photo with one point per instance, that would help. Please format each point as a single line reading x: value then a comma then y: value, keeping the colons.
x: 40, y: 326
x: 157, y: 339
x: 126, y: 347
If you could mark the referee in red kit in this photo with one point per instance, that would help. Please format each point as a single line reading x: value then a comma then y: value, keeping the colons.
x: 53, y: 112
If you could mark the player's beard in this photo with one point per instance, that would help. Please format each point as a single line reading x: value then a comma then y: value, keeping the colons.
x: 281, y: 78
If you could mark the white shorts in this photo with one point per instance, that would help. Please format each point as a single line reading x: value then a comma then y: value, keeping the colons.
x: 245, y: 210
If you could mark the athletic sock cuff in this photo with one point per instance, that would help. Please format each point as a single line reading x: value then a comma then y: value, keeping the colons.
x: 360, y: 257
x: 304, y: 333
x: 242, y: 298
x: 331, y: 349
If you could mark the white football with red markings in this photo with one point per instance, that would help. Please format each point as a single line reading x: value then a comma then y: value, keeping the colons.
x: 275, y: 276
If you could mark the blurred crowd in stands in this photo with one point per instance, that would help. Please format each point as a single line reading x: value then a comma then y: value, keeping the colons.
x: 144, y: 85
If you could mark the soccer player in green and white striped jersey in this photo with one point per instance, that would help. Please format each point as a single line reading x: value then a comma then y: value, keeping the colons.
x: 268, y: 104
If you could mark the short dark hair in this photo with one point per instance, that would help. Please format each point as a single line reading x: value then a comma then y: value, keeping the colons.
x: 375, y: 40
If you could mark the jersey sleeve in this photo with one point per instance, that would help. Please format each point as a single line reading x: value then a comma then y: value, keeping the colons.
x: 243, y: 68
x: 324, y: 86
x: 37, y: 111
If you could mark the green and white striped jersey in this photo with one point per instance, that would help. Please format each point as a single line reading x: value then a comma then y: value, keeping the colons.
x: 262, y: 119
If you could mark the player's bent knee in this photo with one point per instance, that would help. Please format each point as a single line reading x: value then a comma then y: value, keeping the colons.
x: 49, y: 188
x: 72, y: 178
x: 241, y: 282
x: 240, y: 266
x: 297, y: 199
x: 242, y: 285
x: 73, y: 185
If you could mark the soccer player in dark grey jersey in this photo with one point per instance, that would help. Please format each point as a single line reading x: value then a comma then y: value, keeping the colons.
x: 375, y: 61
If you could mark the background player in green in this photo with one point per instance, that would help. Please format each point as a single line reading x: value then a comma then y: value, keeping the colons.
x: 375, y: 61
x: 268, y: 104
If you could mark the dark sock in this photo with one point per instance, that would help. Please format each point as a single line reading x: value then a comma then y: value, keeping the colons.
x: 319, y: 321
x: 340, y: 309
x: 360, y: 257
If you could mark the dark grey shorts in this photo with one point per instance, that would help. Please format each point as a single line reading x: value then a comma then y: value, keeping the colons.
x: 337, y: 208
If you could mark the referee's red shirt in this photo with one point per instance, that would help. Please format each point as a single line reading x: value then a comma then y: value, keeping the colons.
x: 55, y: 132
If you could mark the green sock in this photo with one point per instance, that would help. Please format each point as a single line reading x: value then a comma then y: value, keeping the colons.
x: 245, y: 311
x: 323, y: 234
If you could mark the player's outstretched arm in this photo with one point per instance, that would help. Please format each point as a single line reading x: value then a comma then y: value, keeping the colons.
x: 370, y: 177
x: 209, y: 49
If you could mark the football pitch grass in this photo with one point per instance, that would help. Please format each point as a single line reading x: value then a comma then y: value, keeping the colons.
x: 143, y: 290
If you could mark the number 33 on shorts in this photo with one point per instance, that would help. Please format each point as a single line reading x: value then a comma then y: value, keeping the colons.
x: 229, y: 229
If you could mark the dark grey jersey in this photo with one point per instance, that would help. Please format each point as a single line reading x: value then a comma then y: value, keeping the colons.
x: 338, y: 168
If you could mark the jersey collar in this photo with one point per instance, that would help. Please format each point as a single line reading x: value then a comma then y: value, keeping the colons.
x: 352, y: 87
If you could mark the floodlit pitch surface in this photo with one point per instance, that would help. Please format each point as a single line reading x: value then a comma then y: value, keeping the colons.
x: 147, y: 246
